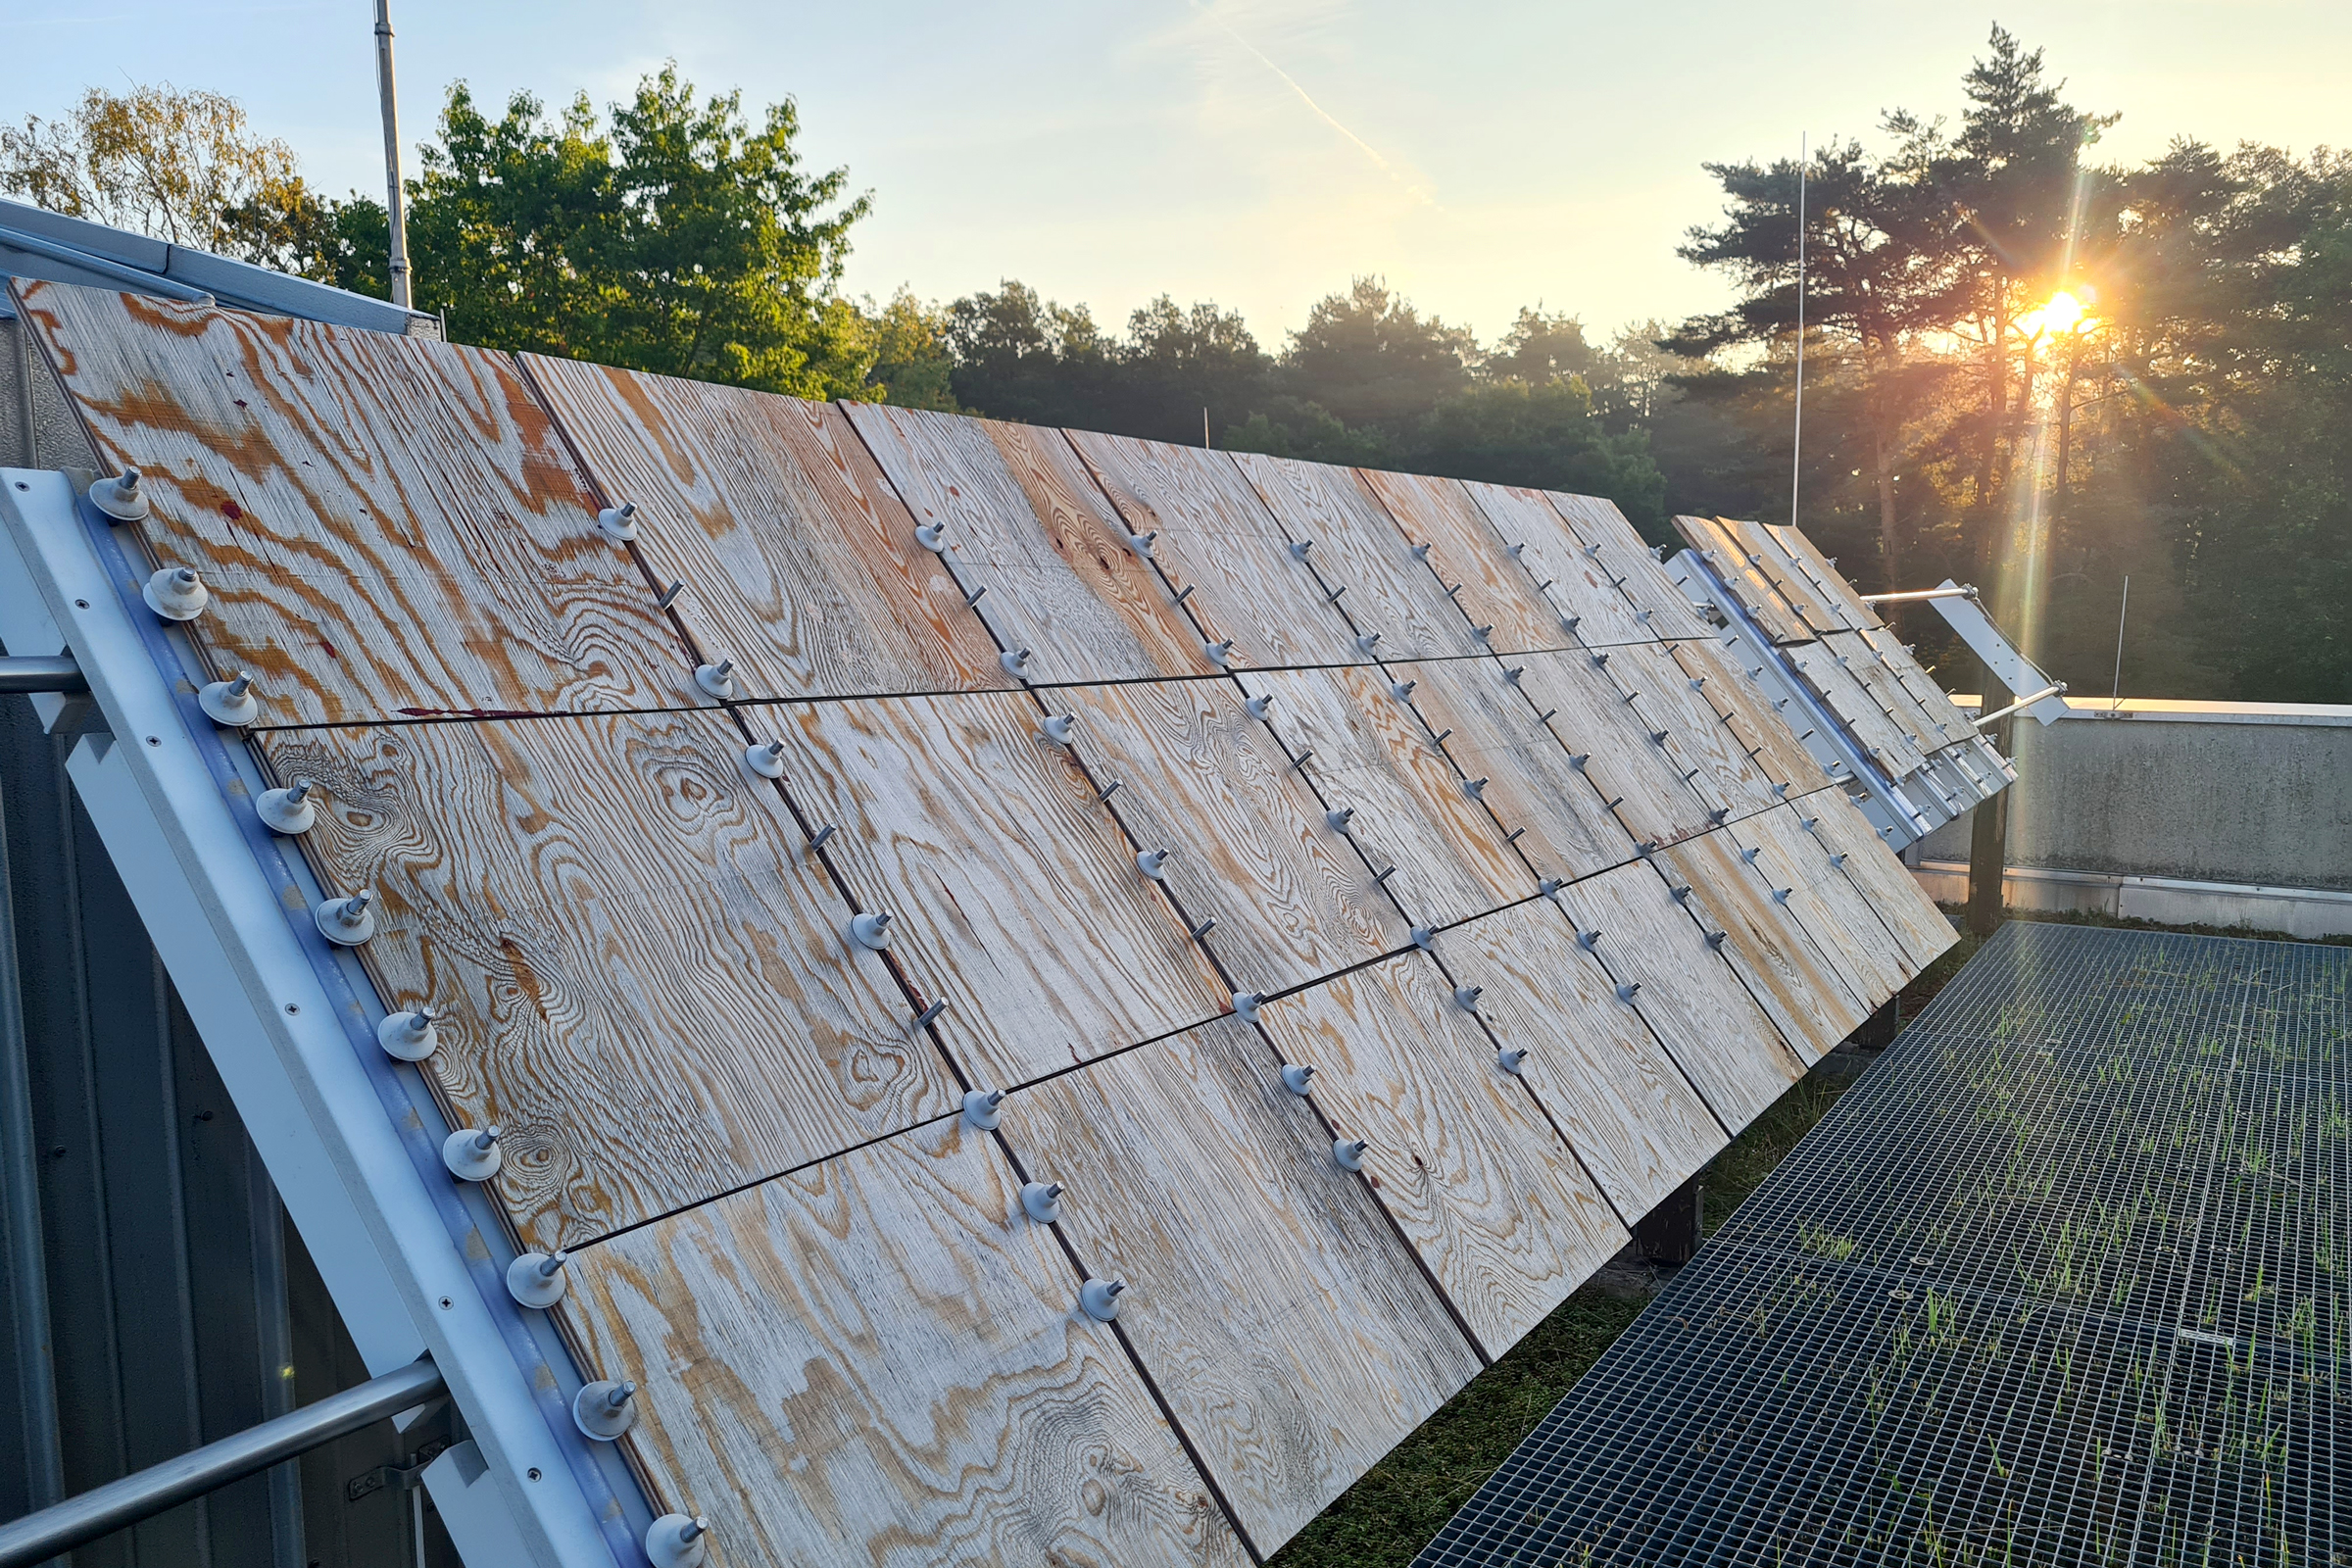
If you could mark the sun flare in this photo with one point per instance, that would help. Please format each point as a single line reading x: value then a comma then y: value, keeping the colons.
x: 2062, y: 313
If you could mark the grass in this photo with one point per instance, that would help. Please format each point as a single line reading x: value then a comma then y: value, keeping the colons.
x: 1391, y: 1513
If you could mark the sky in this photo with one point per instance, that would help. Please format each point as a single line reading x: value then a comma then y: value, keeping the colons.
x: 1259, y: 153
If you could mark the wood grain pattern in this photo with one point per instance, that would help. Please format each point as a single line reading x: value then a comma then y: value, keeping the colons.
x: 880, y: 1360
x: 1576, y: 584
x: 1286, y: 1326
x: 388, y: 525
x: 1642, y: 576
x: 1806, y: 994
x: 1884, y: 687
x: 1358, y: 546
x: 1249, y: 846
x: 638, y: 979
x: 1822, y: 572
x: 1465, y: 550
x: 1720, y: 544
x: 1461, y: 1156
x: 1373, y: 757
x: 1011, y: 893
x: 1765, y: 735
x: 801, y: 562
x: 1885, y: 741
x: 1841, y: 920
x: 949, y: 471
x: 1958, y: 728
x: 1701, y: 747
x: 1592, y: 720
x: 1691, y: 998
x: 1919, y: 928
x: 1768, y: 557
x: 1623, y: 1107
x: 1218, y: 538
x: 1491, y: 734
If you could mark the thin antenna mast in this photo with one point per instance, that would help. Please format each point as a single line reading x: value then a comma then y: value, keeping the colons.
x: 393, y: 204
x: 1796, y: 446
x: 2115, y: 701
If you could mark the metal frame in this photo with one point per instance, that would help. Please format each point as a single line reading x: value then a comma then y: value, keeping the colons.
x: 351, y: 1140
x: 2016, y: 671
x: 1904, y: 811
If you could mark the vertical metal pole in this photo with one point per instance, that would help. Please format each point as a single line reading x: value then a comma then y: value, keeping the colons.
x: 20, y: 1225
x: 2116, y: 698
x: 1205, y: 441
x: 393, y: 198
x: 1989, y: 825
x: 1796, y: 446
x: 274, y: 1336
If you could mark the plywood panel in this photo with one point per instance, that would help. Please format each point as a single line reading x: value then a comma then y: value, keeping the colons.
x: 1879, y: 735
x: 1801, y: 988
x: 1373, y: 757
x: 1250, y: 846
x: 1479, y: 1183
x: 1594, y: 721
x: 1640, y: 575
x: 1756, y: 727
x: 1632, y: 1117
x: 1703, y: 748
x: 1719, y: 543
x: 880, y: 1360
x: 1358, y: 546
x: 1925, y: 689
x: 389, y: 525
x: 1822, y: 572
x: 639, y: 978
x: 1490, y: 588
x: 1908, y: 691
x: 1575, y: 582
x: 950, y: 473
x: 1011, y: 893
x: 1840, y: 919
x: 1919, y: 928
x: 1288, y: 1328
x: 1217, y: 539
x: 1765, y: 555
x: 1565, y: 827
x: 1881, y: 684
x: 800, y: 563
x: 1690, y: 997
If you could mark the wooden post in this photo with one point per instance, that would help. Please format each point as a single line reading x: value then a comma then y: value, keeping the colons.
x: 1988, y: 835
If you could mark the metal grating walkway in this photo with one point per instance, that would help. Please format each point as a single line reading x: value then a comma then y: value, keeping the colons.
x: 2061, y: 1280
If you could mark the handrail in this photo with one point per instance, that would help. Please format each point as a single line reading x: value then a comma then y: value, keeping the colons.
x: 39, y: 1537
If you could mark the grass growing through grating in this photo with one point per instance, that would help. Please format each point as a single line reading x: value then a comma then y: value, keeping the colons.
x: 1384, y: 1519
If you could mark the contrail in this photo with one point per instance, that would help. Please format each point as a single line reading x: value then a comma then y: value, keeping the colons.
x: 1321, y: 113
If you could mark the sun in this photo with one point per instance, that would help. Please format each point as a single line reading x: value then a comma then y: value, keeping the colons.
x: 2056, y: 316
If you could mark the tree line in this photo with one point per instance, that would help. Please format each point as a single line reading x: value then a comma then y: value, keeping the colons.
x: 2022, y: 367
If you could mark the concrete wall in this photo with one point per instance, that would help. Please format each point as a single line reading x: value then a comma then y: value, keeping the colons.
x: 2212, y: 813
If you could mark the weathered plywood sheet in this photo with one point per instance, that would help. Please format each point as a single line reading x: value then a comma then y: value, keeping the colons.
x: 1879, y: 682
x: 1288, y: 1327
x: 799, y: 560
x: 1831, y: 909
x: 1919, y: 928
x: 1249, y: 845
x: 1461, y: 1156
x: 1885, y: 741
x: 1217, y: 539
x: 1626, y: 1109
x: 1765, y: 555
x: 950, y: 473
x: 638, y: 977
x: 1639, y: 576
x: 1805, y: 993
x: 1577, y: 583
x: 1565, y: 827
x: 1372, y: 756
x: 1757, y: 729
x: 1701, y: 746
x: 1690, y: 997
x: 389, y: 526
x: 1359, y: 548
x: 1490, y: 588
x: 1719, y: 543
x: 1956, y: 727
x: 1011, y: 894
x: 1822, y: 572
x: 1594, y: 722
x: 881, y: 1360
